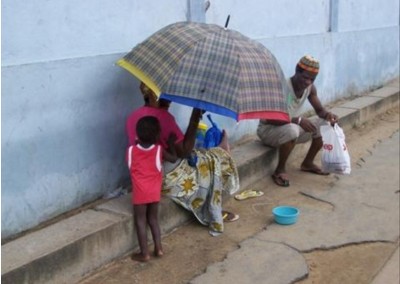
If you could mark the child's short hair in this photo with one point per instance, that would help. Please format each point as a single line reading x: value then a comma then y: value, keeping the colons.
x: 148, y: 129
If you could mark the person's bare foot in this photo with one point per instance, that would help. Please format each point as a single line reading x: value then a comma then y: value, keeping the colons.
x: 140, y: 257
x: 224, y: 142
x: 158, y: 253
x: 312, y: 168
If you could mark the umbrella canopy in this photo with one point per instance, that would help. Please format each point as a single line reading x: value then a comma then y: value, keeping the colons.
x: 211, y: 68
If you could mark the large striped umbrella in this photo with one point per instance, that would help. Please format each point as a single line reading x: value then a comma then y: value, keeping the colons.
x: 211, y: 68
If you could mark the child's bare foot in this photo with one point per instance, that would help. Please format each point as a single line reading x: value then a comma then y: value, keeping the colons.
x: 158, y: 253
x: 140, y: 257
x: 224, y: 142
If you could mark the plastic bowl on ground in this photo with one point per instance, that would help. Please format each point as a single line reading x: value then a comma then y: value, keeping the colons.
x: 285, y: 215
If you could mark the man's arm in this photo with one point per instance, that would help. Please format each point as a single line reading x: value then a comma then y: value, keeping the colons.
x: 319, y: 109
x: 316, y: 103
x: 305, y: 123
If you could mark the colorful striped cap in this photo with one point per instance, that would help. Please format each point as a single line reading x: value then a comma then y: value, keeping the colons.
x: 309, y: 63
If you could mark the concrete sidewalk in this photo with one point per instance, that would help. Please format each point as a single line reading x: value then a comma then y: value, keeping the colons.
x: 275, y: 255
x: 68, y: 250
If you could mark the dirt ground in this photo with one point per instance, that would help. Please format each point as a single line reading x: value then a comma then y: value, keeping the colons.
x: 189, y: 249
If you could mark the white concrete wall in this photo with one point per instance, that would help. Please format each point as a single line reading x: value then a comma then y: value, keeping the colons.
x: 356, y: 41
x: 40, y: 31
x: 64, y: 102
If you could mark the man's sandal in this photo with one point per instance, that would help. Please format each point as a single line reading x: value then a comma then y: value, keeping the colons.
x: 248, y: 194
x: 315, y: 170
x: 281, y: 179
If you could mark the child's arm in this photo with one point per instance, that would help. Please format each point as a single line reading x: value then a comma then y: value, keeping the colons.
x: 170, y: 154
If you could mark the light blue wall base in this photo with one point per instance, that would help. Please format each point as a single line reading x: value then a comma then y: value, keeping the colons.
x: 63, y: 141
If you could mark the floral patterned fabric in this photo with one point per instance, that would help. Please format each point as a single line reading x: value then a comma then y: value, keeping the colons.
x: 199, y: 189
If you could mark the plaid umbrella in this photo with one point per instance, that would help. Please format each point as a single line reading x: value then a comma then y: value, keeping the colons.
x: 211, y: 68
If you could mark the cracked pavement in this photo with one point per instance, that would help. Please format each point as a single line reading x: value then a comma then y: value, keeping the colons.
x: 348, y: 227
x: 362, y: 207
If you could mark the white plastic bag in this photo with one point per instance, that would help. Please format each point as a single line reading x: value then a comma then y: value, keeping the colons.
x: 335, y: 155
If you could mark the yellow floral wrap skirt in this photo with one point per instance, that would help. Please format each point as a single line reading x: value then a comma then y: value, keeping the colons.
x: 199, y: 189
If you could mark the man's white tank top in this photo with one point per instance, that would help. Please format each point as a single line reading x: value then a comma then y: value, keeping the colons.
x: 295, y: 104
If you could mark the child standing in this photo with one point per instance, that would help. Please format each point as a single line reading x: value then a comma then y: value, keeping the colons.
x: 144, y: 161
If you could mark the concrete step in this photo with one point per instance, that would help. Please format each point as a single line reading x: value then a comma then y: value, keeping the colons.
x: 68, y: 250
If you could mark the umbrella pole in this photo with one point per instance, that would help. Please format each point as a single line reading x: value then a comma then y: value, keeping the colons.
x: 227, y: 22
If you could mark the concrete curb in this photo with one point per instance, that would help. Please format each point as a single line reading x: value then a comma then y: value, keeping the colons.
x: 390, y: 271
x: 70, y: 249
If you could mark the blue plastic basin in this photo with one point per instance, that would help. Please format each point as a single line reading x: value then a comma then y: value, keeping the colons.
x: 285, y: 215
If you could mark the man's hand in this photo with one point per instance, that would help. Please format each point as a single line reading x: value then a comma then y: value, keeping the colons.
x: 331, y: 118
x: 307, y: 125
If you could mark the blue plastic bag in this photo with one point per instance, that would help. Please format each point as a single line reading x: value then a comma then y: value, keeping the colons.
x: 213, y: 135
x: 192, y: 159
